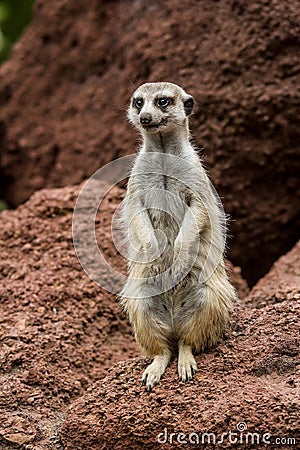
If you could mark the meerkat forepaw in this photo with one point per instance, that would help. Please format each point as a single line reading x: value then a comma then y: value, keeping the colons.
x: 151, y: 247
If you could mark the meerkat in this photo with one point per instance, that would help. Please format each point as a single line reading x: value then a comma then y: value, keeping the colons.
x: 177, y: 295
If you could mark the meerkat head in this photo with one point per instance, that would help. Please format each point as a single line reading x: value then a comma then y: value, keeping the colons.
x: 159, y: 107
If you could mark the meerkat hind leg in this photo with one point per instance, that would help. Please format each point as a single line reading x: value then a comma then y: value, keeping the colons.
x: 155, y: 370
x: 187, y: 366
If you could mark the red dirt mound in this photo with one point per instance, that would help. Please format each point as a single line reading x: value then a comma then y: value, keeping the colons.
x: 59, y: 331
x: 65, y: 89
x: 281, y: 283
x: 246, y: 391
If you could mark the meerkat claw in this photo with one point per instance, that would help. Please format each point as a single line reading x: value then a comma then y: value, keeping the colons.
x: 187, y: 375
x: 150, y: 380
x: 146, y: 383
x: 155, y: 370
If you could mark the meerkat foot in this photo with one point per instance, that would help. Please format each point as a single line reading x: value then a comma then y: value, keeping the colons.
x: 155, y: 370
x: 187, y: 366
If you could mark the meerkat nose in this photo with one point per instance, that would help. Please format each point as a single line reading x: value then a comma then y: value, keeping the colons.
x: 145, y: 118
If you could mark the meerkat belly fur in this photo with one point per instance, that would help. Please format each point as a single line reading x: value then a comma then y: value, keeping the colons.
x: 177, y: 294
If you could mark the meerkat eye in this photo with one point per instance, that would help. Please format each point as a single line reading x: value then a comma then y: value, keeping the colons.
x: 163, y: 102
x: 138, y: 103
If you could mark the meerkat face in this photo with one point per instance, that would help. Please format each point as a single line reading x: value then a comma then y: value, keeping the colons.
x: 159, y: 107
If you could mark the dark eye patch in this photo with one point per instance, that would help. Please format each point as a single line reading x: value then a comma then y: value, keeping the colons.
x: 163, y: 102
x: 138, y: 103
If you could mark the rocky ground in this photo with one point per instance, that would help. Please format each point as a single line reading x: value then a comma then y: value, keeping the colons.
x: 248, y: 384
x: 59, y: 331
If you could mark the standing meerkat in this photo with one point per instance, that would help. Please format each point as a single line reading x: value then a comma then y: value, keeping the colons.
x: 177, y: 294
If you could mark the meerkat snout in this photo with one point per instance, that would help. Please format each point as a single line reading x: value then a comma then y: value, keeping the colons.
x: 145, y: 118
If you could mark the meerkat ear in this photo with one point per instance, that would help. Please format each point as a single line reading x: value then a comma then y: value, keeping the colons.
x: 188, y: 104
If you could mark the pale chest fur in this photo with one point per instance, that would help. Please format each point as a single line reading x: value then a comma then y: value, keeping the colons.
x: 165, y: 198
